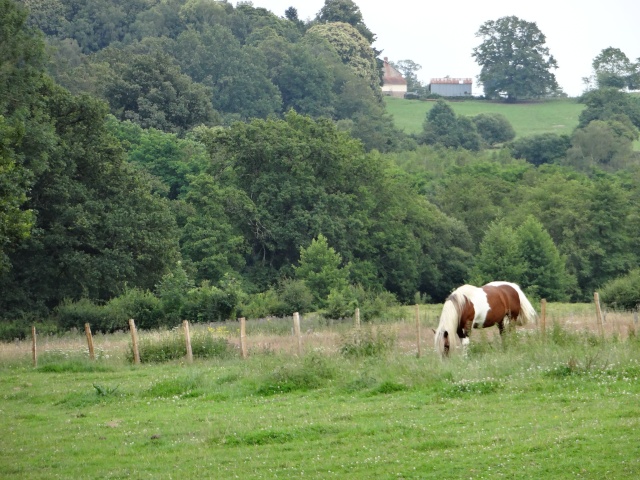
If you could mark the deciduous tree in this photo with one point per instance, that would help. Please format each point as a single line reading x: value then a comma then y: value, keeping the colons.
x: 515, y: 60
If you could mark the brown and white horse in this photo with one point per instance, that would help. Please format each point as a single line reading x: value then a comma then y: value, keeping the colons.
x: 496, y: 303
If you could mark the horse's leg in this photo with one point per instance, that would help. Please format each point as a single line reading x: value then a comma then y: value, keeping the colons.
x: 464, y: 333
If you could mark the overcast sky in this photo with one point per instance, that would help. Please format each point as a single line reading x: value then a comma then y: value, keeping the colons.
x: 440, y: 35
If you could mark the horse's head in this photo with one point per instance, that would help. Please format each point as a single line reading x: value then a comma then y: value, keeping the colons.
x: 450, y: 328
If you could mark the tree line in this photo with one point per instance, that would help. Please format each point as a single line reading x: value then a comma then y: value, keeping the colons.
x: 150, y: 170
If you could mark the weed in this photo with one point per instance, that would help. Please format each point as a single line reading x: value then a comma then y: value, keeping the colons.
x: 367, y: 342
x: 105, y: 391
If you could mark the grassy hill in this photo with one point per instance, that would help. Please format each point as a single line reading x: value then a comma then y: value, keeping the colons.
x: 558, y: 116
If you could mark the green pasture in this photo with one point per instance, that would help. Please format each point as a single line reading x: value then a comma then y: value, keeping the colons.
x: 566, y: 405
x: 530, y: 118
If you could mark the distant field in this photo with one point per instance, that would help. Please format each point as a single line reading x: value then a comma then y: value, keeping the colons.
x: 557, y: 116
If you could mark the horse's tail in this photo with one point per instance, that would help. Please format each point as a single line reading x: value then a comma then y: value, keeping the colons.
x: 527, y: 312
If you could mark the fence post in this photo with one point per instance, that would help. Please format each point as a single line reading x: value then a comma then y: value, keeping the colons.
x: 296, y: 329
x: 187, y: 339
x: 357, y: 318
x: 87, y: 331
x: 134, y: 341
x: 596, y: 299
x: 243, y: 337
x: 543, y: 317
x: 34, y: 350
x: 418, y: 328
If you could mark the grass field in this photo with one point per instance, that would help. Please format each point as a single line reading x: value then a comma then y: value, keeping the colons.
x: 532, y: 118
x: 563, y: 406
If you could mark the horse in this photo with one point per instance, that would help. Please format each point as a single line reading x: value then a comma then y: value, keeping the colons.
x: 468, y: 306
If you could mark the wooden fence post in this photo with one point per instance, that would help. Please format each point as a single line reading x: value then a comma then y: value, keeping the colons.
x: 596, y: 299
x: 34, y: 350
x: 87, y: 331
x: 243, y: 337
x: 134, y: 341
x: 187, y: 339
x: 296, y: 330
x: 543, y: 317
x: 357, y: 318
x: 418, y: 329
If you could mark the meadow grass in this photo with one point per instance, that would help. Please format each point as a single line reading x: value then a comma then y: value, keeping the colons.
x: 530, y: 118
x: 565, y: 405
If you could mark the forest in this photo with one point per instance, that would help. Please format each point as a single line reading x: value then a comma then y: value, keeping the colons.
x: 188, y: 159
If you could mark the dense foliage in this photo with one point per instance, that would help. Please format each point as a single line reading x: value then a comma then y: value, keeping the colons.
x: 195, y: 160
x: 516, y: 63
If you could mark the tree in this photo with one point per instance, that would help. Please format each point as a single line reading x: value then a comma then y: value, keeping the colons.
x: 443, y: 127
x: 515, y: 62
x: 604, y: 144
x: 237, y: 75
x: 99, y: 226
x: 408, y: 68
x: 544, y: 267
x: 150, y: 90
x: 353, y: 49
x: 613, y: 69
x: 25, y: 132
x: 320, y: 266
x: 500, y: 256
x: 345, y: 11
x: 494, y: 128
x: 604, y: 103
x: 541, y: 149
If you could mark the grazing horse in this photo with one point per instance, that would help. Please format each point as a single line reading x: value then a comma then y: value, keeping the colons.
x: 496, y: 303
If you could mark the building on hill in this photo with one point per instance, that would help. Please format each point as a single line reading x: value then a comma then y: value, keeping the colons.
x: 451, y: 87
x: 393, y: 83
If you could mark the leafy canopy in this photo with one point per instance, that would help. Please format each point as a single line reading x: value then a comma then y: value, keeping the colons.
x: 515, y: 62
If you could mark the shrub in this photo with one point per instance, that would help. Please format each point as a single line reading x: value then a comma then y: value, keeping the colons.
x: 71, y: 314
x: 20, y: 329
x: 343, y: 302
x: 540, y: 149
x: 209, y: 303
x: 295, y: 296
x: 622, y: 293
x: 142, y: 306
x: 494, y: 128
x: 263, y: 304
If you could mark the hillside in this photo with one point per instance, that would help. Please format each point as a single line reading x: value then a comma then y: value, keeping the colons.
x: 557, y: 116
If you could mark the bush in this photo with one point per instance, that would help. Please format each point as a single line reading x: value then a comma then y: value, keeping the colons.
x: 140, y: 305
x: 20, y: 329
x: 263, y: 304
x: 208, y: 303
x: 295, y: 296
x: 342, y: 303
x: 71, y: 314
x: 622, y: 293
x: 494, y: 128
x: 540, y: 149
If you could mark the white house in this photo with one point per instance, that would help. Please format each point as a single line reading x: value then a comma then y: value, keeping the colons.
x: 393, y: 83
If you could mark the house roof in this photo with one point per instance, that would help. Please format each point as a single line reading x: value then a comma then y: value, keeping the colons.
x: 391, y: 76
x: 449, y: 80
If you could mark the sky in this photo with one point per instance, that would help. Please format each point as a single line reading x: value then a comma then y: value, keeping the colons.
x: 440, y: 35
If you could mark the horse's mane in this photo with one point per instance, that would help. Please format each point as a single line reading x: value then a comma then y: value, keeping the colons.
x: 450, y: 316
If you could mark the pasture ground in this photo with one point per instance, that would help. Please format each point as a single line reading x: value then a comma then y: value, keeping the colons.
x: 528, y: 118
x: 563, y: 406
